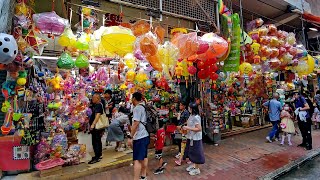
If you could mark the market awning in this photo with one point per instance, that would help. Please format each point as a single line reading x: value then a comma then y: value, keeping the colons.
x: 311, y: 18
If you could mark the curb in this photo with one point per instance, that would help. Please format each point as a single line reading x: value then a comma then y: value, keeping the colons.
x: 106, y: 167
x: 294, y: 164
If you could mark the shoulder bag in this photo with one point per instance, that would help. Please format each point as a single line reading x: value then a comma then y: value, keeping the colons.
x: 103, y: 121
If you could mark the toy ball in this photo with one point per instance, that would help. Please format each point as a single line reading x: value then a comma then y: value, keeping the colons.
x: 21, y: 81
x: 245, y: 68
x: 8, y: 48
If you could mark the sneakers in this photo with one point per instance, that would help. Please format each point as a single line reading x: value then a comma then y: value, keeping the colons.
x: 143, y: 178
x: 194, y: 172
x: 158, y: 171
x: 268, y: 139
x: 178, y: 155
x: 164, y: 164
x: 190, y: 168
x: 289, y: 143
x: 178, y: 162
x: 93, y: 161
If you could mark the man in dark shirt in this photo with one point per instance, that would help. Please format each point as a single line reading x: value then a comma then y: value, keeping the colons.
x: 96, y: 134
x: 109, y: 103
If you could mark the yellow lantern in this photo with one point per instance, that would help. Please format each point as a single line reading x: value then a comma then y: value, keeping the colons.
x: 130, y: 76
x: 245, y: 68
x: 130, y: 61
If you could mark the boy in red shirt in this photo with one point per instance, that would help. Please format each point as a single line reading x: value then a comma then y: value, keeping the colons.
x: 159, y: 144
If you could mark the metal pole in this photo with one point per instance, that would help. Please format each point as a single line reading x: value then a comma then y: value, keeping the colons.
x: 217, y: 16
x: 160, y: 9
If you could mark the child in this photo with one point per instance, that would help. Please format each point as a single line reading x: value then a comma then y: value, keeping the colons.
x: 316, y: 118
x: 159, y: 144
x: 287, y: 124
x: 183, y: 147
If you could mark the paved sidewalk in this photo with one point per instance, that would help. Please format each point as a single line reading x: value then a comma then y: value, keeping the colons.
x: 245, y: 156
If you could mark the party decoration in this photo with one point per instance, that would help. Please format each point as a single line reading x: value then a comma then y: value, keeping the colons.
x: 50, y: 23
x: 168, y: 54
x: 140, y: 28
x: 82, y: 42
x: 160, y: 32
x: 8, y: 48
x: 186, y: 43
x: 118, y: 40
x: 129, y: 61
x: 67, y: 38
x: 82, y: 61
x: 217, y: 45
x: 21, y: 81
x: 245, y: 68
x: 36, y: 43
x: 130, y: 76
x: 65, y: 61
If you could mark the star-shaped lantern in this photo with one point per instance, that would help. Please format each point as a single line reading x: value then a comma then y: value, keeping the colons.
x: 35, y: 42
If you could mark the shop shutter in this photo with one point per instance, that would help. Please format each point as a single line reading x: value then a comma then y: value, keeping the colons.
x: 3, y: 76
x: 186, y: 8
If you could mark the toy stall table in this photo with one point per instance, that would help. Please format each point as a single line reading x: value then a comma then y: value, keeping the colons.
x: 14, y: 156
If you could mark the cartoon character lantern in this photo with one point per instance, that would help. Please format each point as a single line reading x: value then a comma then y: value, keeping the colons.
x: 8, y: 48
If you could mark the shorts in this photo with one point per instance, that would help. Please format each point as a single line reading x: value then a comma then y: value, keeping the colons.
x: 158, y: 154
x: 140, y: 148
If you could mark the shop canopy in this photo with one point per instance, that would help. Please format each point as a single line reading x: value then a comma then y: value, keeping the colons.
x: 311, y: 18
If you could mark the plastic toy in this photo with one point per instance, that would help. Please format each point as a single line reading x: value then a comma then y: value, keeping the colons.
x: 50, y: 23
x: 8, y: 48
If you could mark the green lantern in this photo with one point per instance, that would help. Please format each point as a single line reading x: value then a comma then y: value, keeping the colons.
x: 65, y: 61
x: 82, y: 61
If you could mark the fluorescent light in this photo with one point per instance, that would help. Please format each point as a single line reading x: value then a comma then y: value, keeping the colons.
x: 313, y: 29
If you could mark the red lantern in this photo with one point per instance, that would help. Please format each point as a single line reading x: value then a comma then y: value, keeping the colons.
x: 211, y: 61
x: 214, y: 76
x: 192, y: 70
x: 201, y: 65
x: 202, y: 74
x: 203, y: 47
x: 213, y: 68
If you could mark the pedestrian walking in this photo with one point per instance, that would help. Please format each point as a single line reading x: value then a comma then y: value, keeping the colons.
x: 194, y: 147
x: 139, y: 137
x: 274, y: 108
x: 304, y: 120
x: 159, y: 144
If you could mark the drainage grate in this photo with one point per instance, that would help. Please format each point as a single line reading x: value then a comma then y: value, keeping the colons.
x: 188, y: 8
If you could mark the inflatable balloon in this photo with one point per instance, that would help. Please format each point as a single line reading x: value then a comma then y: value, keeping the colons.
x: 217, y: 45
x: 65, y: 61
x: 118, y: 40
x: 141, y: 77
x: 82, y: 61
x: 130, y: 61
x: 67, y: 38
x: 8, y: 48
x: 186, y: 43
x: 140, y: 28
x: 149, y: 84
x: 311, y: 64
x: 245, y: 68
x: 148, y: 45
x: 160, y: 32
x: 130, y: 76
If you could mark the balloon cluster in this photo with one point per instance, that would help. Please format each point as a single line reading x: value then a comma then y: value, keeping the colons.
x: 273, y: 49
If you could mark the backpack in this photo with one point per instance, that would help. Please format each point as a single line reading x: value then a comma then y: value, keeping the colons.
x: 152, y: 123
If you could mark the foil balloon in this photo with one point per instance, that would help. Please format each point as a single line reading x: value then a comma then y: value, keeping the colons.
x: 302, y: 68
x: 67, y: 38
x: 186, y: 43
x: 217, y: 45
x: 118, y: 40
x: 82, y: 61
x: 8, y: 48
x: 140, y: 28
x: 245, y: 68
x: 65, y: 61
x: 82, y: 42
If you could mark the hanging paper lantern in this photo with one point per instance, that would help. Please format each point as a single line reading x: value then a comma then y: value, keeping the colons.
x: 192, y: 70
x: 186, y: 43
x: 82, y: 43
x: 214, y: 76
x: 82, y: 61
x: 118, y: 40
x: 155, y: 62
x: 201, y: 65
x: 160, y: 32
x: 245, y: 68
x: 203, y: 74
x: 217, y: 45
x: 130, y: 61
x: 130, y: 76
x: 65, y: 61
x: 140, y: 28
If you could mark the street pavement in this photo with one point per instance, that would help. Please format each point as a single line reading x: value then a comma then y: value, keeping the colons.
x: 245, y: 156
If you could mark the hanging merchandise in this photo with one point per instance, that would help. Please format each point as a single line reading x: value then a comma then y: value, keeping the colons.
x: 65, y: 61
x: 82, y: 61
x: 67, y: 38
x: 82, y: 42
x: 186, y: 43
x: 50, y: 23
x: 140, y: 28
x: 168, y: 55
x: 8, y: 48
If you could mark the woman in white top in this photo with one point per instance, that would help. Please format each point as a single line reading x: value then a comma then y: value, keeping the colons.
x: 194, y: 147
